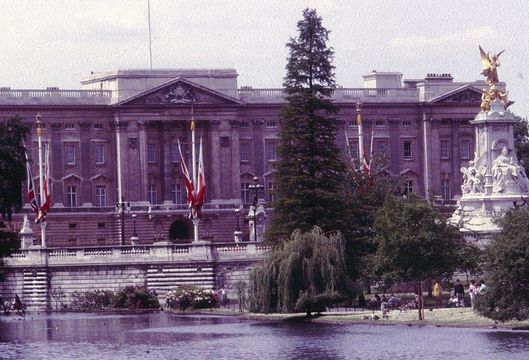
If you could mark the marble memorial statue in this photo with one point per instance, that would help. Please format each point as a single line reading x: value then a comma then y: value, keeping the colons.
x: 494, y: 180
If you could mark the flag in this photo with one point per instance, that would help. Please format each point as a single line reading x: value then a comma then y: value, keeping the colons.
x: 45, y: 207
x: 187, y: 179
x: 371, y: 150
x: 31, y: 188
x: 362, y: 153
x: 201, y: 182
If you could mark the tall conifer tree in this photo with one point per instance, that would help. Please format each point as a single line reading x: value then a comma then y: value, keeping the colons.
x: 309, y: 181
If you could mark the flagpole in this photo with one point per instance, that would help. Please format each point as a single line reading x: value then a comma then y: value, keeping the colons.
x: 371, y: 150
x: 194, y: 171
x: 360, y: 133
x: 41, y: 180
x: 150, y: 38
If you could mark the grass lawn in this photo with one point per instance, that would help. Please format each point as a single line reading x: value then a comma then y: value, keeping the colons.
x: 458, y: 317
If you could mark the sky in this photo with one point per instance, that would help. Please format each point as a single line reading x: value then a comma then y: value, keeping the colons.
x: 59, y: 42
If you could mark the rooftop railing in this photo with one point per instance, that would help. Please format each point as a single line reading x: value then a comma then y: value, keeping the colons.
x: 248, y: 93
x: 54, y: 96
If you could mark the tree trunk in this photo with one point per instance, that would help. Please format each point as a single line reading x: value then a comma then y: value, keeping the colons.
x: 419, y: 301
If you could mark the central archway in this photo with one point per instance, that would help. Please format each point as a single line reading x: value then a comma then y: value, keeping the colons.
x: 179, y: 231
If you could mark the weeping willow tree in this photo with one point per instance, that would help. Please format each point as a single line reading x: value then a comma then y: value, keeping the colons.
x: 306, y: 274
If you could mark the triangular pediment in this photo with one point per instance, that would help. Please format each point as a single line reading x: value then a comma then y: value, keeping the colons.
x: 464, y: 94
x: 179, y: 91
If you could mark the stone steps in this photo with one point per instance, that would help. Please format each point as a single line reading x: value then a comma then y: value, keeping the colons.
x: 34, y: 289
x: 167, y: 278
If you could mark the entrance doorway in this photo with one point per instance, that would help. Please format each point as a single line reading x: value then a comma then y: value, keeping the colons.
x: 179, y: 231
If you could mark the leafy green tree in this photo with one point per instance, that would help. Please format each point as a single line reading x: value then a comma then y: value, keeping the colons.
x: 306, y: 273
x: 521, y: 141
x: 12, y: 175
x: 12, y: 165
x: 507, y: 269
x: 310, y: 175
x: 414, y: 243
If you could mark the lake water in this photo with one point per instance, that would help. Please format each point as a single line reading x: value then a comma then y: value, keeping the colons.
x: 169, y: 336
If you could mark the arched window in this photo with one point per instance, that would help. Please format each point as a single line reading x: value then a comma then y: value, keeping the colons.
x: 180, y: 231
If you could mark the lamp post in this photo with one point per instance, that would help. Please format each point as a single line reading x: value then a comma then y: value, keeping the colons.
x: 134, y: 225
x: 256, y: 187
x: 134, y: 237
x: 237, y: 234
x: 121, y: 207
x: 237, y: 213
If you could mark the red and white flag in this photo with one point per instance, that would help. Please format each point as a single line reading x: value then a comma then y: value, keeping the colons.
x: 31, y: 187
x: 187, y: 179
x: 201, y: 182
x: 46, y: 203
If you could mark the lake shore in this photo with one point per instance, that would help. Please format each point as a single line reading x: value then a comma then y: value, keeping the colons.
x: 445, y: 317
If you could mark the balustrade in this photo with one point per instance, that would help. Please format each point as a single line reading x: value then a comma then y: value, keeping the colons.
x: 127, y: 254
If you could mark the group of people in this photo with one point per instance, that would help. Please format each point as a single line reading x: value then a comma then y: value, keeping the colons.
x: 457, y: 299
x: 16, y: 305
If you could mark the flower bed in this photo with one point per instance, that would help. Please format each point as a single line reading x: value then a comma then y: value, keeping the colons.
x: 191, y: 297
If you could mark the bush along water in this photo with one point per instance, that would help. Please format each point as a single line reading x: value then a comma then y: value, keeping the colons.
x: 191, y: 297
x: 129, y: 297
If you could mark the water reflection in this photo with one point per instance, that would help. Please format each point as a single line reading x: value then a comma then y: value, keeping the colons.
x: 167, y: 336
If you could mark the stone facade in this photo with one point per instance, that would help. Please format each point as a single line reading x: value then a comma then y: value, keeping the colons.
x: 422, y: 126
x: 37, y: 274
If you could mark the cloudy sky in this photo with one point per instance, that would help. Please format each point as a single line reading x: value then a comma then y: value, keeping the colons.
x: 59, y: 42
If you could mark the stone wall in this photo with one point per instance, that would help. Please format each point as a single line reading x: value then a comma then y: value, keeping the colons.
x: 36, y: 274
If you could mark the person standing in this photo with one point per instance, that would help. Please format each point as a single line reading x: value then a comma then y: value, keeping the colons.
x: 482, y: 287
x: 472, y: 291
x: 459, y: 292
x: 437, y: 294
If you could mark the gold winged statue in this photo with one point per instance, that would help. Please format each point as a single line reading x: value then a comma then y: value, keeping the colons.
x: 490, y: 66
x: 490, y: 71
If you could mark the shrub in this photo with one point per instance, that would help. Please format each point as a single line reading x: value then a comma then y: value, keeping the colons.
x: 92, y: 300
x: 136, y: 297
x: 129, y: 297
x: 190, y: 297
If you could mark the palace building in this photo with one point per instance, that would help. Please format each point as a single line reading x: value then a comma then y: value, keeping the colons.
x: 118, y: 135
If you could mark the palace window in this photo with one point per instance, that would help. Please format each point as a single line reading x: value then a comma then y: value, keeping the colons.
x: 69, y: 126
x: 380, y: 123
x: 407, y: 150
x: 380, y: 148
x: 245, y: 193
x: 445, y: 188
x: 244, y: 125
x: 271, y: 124
x: 352, y: 123
x: 245, y: 151
x: 69, y: 150
x: 151, y: 194
x: 408, y: 187
x: 71, y: 196
x: 175, y: 156
x: 101, y: 195
x: 406, y: 123
x: 465, y: 149
x: 100, y: 153
x: 178, y: 194
x: 445, y: 149
x: 271, y: 151
x: 151, y: 153
x: 98, y: 126
x: 270, y: 191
